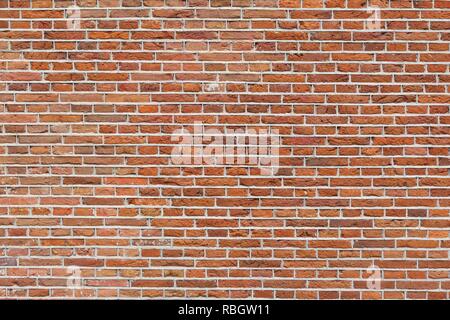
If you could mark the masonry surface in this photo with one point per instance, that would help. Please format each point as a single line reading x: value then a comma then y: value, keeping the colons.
x: 92, y: 205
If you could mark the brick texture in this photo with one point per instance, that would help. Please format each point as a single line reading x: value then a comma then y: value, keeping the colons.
x: 93, y: 202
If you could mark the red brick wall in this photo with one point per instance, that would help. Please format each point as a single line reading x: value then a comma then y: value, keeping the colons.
x: 96, y: 200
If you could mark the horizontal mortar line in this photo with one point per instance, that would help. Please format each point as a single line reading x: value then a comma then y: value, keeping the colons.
x: 237, y: 197
x: 120, y: 118
x: 233, y: 155
x: 227, y: 197
x: 211, y: 93
x: 162, y: 105
x: 128, y: 114
x: 299, y: 238
x: 236, y: 166
x: 265, y: 154
x: 294, y: 62
x: 273, y: 125
x: 177, y: 35
x: 195, y: 81
x: 166, y: 246
x: 143, y: 217
x: 221, y: 103
x: 272, y: 176
x: 237, y: 185
x: 217, y: 207
x: 188, y: 289
x: 263, y: 103
x: 230, y: 187
x: 240, y: 95
x: 227, y: 130
x: 171, y: 166
x: 207, y: 267
x: 225, y: 208
x: 237, y: 267
x: 97, y: 206
x: 90, y: 114
x: 231, y: 62
x: 228, y: 62
x: 230, y: 249
x: 184, y: 278
x: 275, y: 187
x: 218, y: 32
x: 136, y: 72
x: 238, y: 176
x: 228, y: 216
x: 232, y: 19
x: 195, y: 94
x: 193, y: 247
x: 28, y: 82
x: 197, y: 177
x: 230, y: 135
x: 430, y: 27
x: 230, y: 279
x: 247, y: 105
x: 441, y: 198
x: 421, y: 16
x: 238, y: 249
x: 215, y: 8
x: 218, y: 40
x: 252, y: 8
x: 241, y: 176
x: 233, y: 258
x: 240, y: 101
x: 241, y: 259
x: 216, y: 278
x: 230, y: 166
x: 226, y: 72
x: 167, y: 294
x: 300, y: 228
x: 125, y: 164
x: 208, y: 104
x: 288, y: 52
x: 278, y: 52
x: 234, y: 249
